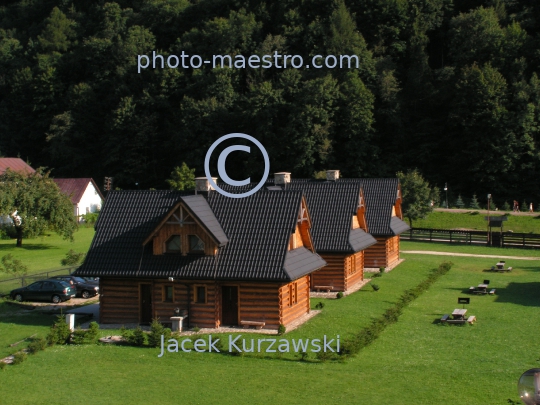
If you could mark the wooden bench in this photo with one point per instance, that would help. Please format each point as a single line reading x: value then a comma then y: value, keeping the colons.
x: 247, y: 324
x: 492, y: 292
x: 456, y: 321
x: 471, y: 319
x: 328, y: 288
x: 445, y: 318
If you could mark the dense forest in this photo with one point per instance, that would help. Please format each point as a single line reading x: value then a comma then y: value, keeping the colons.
x: 450, y: 87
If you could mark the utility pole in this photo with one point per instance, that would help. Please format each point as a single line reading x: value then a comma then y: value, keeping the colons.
x: 488, y: 233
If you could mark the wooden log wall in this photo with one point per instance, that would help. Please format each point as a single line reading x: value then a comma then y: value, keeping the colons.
x: 119, y: 300
x: 290, y: 313
x: 392, y: 246
x: 333, y: 274
x: 354, y: 269
x: 384, y: 253
x: 204, y: 315
x: 375, y: 255
x: 259, y: 302
x: 163, y: 309
x: 168, y: 230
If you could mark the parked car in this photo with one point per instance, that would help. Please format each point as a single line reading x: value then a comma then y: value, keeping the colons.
x: 46, y: 290
x: 85, y: 288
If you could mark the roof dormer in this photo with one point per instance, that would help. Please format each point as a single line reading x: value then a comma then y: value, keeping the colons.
x: 190, y: 227
x: 359, y: 219
x: 302, y: 235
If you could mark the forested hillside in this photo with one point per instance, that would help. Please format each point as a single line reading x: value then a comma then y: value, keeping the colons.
x: 448, y: 86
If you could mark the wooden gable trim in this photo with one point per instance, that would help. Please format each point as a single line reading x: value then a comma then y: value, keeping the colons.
x: 397, y: 206
x: 361, y: 212
x: 179, y: 221
x: 304, y: 224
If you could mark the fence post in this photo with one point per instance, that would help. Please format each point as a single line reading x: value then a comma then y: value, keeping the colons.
x: 450, y: 232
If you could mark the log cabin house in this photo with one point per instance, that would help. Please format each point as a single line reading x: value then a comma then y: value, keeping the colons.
x: 383, y: 215
x: 223, y: 260
x: 339, y: 230
x: 384, y: 219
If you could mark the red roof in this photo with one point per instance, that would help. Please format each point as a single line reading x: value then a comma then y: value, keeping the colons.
x: 15, y: 164
x: 75, y: 188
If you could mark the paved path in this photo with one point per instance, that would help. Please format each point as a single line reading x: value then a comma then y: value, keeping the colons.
x: 429, y: 252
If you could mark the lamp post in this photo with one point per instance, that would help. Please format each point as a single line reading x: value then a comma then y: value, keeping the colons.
x: 488, y: 233
x: 446, y: 189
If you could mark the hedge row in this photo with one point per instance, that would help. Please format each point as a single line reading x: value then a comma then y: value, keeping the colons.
x: 369, y: 334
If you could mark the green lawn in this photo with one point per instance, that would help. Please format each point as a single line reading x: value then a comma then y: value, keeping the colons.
x: 415, y: 361
x: 448, y: 220
x: 45, y: 252
x: 462, y: 248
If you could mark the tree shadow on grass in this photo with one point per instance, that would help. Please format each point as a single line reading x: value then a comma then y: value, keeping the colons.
x: 29, y: 246
x: 525, y: 294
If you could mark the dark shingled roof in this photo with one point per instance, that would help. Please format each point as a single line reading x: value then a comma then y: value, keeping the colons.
x: 198, y: 205
x: 75, y: 188
x: 258, y: 230
x: 331, y: 208
x: 380, y: 195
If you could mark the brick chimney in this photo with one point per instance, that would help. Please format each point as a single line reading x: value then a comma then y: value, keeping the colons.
x: 332, y: 175
x: 282, y: 178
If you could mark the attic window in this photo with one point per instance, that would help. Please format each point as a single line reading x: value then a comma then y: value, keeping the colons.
x: 196, y: 245
x: 173, y: 245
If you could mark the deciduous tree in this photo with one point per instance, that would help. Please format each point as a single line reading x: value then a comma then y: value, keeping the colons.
x: 35, y: 203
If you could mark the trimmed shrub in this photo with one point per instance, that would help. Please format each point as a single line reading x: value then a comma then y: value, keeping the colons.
x: 156, y: 330
x: 138, y: 338
x: 127, y: 335
x: 381, y: 270
x: 19, y: 357
x: 81, y: 337
x: 339, y: 295
x: 375, y: 287
x: 319, y: 305
x: 37, y: 345
x: 59, y: 333
x: 282, y: 329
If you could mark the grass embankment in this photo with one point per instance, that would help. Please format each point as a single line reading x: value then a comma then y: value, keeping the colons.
x: 45, y: 252
x: 414, y: 361
x: 469, y: 249
x: 476, y: 221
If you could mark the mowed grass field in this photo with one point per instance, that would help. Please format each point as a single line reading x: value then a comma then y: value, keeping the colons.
x: 46, y: 251
x: 415, y: 361
x: 476, y: 221
x: 406, y: 245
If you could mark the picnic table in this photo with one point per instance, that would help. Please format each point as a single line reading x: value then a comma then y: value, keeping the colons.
x: 459, y: 314
x: 458, y: 317
x: 500, y: 265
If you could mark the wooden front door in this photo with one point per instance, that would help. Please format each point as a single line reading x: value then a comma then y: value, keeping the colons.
x: 145, y: 305
x: 229, y: 305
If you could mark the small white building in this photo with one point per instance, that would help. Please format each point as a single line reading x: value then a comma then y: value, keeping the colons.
x: 84, y: 194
